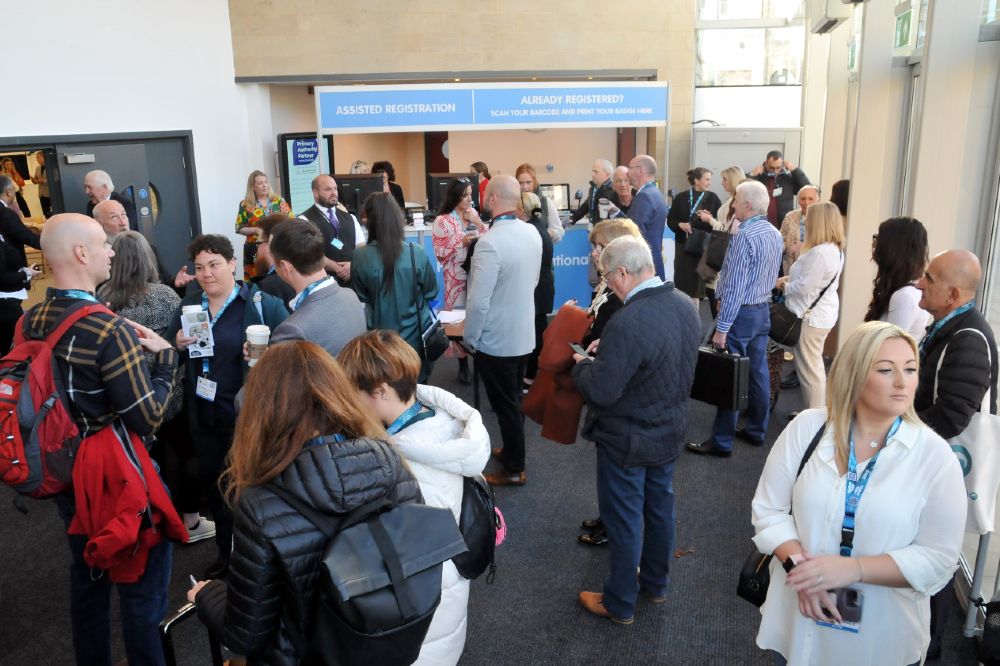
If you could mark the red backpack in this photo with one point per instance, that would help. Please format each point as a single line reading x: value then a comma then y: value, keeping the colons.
x: 38, y: 436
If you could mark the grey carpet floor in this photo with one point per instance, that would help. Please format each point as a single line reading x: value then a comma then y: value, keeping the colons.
x: 530, y: 614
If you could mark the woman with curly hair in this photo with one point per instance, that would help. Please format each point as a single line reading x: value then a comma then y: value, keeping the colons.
x: 899, y: 250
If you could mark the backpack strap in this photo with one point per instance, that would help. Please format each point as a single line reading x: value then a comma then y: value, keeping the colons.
x: 70, y: 316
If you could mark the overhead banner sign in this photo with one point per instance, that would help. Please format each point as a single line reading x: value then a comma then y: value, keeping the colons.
x: 490, y: 106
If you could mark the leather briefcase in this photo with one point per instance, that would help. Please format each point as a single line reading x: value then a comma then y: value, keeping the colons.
x: 721, y: 379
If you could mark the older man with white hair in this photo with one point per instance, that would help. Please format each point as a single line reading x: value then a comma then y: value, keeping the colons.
x: 600, y: 188
x: 637, y: 390
x: 98, y: 187
x: 649, y: 212
x: 748, y: 274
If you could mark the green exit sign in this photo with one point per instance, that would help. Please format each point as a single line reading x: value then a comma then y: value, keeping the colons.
x: 903, y: 27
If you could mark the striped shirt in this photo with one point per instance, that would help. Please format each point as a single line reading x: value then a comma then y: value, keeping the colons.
x: 104, y: 371
x: 749, y: 270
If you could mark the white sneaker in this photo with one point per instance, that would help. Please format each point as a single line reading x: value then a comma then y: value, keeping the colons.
x: 205, y: 529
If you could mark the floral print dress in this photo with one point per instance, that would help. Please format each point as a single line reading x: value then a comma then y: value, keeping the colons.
x: 248, y: 217
x: 448, y: 232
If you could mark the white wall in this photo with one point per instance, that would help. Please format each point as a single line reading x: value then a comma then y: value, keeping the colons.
x: 120, y: 66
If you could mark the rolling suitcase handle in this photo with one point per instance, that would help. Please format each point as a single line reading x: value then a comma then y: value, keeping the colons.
x: 166, y: 627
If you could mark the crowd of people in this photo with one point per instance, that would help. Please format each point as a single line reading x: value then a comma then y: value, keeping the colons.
x: 339, y: 411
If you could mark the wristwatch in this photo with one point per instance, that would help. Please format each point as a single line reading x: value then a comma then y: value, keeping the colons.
x: 788, y: 564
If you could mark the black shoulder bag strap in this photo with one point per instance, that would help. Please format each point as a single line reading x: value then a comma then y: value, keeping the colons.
x: 828, y: 285
x: 809, y: 451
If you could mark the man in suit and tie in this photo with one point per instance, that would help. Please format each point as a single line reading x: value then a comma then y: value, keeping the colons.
x: 649, y: 210
x: 11, y: 227
x: 322, y: 311
x: 341, y: 231
x: 98, y: 187
x: 499, y: 318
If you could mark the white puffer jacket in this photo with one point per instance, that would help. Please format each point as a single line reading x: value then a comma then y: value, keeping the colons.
x: 440, y: 450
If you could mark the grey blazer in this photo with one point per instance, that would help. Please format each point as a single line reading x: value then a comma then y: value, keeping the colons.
x: 500, y: 302
x: 329, y: 317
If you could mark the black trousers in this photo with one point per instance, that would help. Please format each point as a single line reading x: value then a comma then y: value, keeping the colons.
x: 541, y: 323
x: 212, y: 446
x: 46, y: 206
x: 713, y: 305
x: 10, y: 312
x: 178, y: 463
x: 501, y: 377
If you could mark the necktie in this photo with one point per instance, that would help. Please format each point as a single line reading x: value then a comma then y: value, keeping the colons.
x: 332, y: 216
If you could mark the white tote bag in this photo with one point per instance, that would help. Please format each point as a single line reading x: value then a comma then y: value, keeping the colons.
x: 979, y: 454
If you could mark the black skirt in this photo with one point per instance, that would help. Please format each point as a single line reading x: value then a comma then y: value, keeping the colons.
x: 686, y: 278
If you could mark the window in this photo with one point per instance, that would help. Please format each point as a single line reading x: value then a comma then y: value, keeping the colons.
x: 991, y: 11
x: 750, y: 56
x: 749, y: 43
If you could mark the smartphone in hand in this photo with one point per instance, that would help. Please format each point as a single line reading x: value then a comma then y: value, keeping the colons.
x: 579, y: 350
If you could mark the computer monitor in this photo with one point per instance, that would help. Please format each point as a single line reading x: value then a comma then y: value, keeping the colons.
x: 437, y: 185
x: 353, y: 189
x: 558, y: 192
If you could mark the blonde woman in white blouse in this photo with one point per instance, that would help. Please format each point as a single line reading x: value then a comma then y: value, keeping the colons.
x: 815, y: 275
x: 909, y: 518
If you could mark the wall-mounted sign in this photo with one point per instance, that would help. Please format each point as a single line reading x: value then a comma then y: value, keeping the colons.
x: 490, y: 106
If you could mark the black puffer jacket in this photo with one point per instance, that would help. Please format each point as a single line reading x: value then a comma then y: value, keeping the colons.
x: 968, y: 371
x: 274, y: 569
x: 637, y: 388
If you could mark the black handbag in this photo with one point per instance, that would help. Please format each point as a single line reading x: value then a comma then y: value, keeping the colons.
x: 478, y: 524
x: 721, y: 379
x: 434, y: 340
x: 697, y: 242
x: 755, y: 576
x: 786, y: 326
x: 718, y: 244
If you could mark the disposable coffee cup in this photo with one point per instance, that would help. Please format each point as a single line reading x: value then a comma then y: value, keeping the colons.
x: 603, y: 207
x: 257, y: 337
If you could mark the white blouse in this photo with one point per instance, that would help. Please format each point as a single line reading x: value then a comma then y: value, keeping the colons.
x: 913, y: 510
x: 813, y: 270
x: 905, y: 312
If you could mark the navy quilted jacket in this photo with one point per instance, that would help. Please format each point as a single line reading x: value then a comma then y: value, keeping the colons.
x: 637, y: 387
x: 275, y: 566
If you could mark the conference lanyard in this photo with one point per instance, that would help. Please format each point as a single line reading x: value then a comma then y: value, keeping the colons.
x: 503, y: 217
x: 802, y: 228
x: 212, y: 320
x: 316, y: 441
x: 407, y: 417
x: 75, y: 293
x: 649, y: 184
x: 856, y: 488
x: 308, y: 290
x: 936, y: 326
x: 692, y: 203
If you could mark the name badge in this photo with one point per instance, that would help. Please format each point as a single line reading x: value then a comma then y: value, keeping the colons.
x: 337, y: 243
x: 850, y: 627
x: 206, y: 388
x: 777, y: 191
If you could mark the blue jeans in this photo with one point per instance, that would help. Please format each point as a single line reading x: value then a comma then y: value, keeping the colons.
x: 748, y: 337
x: 143, y: 603
x: 637, y: 507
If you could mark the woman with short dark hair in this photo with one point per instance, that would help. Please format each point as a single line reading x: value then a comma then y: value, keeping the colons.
x: 394, y: 279
x: 384, y: 167
x: 211, y: 383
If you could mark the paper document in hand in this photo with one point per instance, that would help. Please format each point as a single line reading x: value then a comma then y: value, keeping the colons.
x: 451, y: 316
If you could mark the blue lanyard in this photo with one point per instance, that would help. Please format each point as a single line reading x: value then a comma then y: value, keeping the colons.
x: 856, y: 488
x: 936, y: 326
x: 316, y: 441
x: 802, y: 229
x: 404, y: 419
x: 692, y: 203
x: 648, y: 184
x: 75, y: 293
x: 212, y: 320
x: 308, y: 290
x: 505, y: 216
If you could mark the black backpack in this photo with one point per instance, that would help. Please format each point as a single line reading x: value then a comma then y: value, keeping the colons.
x: 380, y: 582
x: 479, y: 523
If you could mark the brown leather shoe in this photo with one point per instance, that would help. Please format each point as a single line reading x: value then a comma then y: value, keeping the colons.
x: 594, y: 603
x: 505, y: 478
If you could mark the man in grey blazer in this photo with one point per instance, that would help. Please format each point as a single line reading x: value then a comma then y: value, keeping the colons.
x: 499, y: 318
x: 322, y: 311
